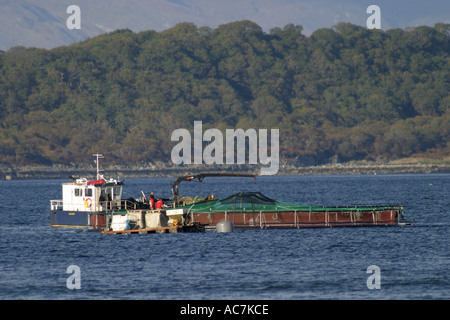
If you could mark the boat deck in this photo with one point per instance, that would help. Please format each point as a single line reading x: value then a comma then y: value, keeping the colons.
x: 170, y: 229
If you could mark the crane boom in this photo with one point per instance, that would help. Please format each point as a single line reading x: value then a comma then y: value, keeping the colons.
x: 200, y: 177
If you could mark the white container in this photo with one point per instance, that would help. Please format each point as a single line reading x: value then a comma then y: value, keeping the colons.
x: 136, y: 219
x: 175, y: 214
x: 119, y: 222
x: 155, y: 220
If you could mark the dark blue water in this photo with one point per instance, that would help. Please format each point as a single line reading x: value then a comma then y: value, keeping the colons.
x: 324, y: 263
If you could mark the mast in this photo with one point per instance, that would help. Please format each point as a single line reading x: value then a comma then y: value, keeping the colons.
x: 98, y: 156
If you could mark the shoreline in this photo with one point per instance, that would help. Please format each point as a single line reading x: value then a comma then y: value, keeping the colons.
x: 153, y: 171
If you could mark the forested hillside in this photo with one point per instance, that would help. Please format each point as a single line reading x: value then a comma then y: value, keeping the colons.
x: 348, y: 92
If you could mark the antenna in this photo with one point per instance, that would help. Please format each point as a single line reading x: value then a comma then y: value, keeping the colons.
x: 98, y: 156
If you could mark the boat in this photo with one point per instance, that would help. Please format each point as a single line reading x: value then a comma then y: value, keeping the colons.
x: 97, y: 204
x: 250, y: 210
x: 88, y: 203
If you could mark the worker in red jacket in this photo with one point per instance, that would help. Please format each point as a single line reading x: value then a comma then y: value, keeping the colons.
x: 159, y: 204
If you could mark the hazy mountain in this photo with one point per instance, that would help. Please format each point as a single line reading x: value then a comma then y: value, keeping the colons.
x: 42, y: 23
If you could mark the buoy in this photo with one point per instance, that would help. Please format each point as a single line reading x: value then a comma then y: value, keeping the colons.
x: 225, y: 226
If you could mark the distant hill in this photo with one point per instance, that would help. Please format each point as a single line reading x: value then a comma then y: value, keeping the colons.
x: 42, y: 23
x: 346, y: 93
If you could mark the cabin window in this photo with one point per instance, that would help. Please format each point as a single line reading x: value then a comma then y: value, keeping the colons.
x: 78, y: 192
x: 88, y: 192
x: 102, y: 195
x: 117, y: 193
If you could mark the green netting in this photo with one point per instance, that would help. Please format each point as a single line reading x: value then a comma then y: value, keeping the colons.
x: 257, y: 202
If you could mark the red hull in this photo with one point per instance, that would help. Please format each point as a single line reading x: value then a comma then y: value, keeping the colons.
x: 98, y: 221
x: 298, y: 219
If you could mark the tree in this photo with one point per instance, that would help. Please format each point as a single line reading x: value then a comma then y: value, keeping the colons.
x: 344, y: 91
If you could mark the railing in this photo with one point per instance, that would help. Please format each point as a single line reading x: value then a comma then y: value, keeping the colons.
x: 116, y: 205
x: 103, y: 206
x: 56, y: 204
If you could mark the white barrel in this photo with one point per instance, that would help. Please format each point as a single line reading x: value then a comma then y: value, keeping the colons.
x: 225, y: 226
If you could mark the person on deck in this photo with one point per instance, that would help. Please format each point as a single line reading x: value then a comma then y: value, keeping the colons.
x: 152, y: 200
x: 159, y: 204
